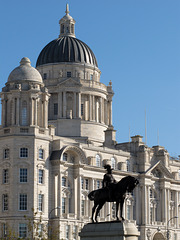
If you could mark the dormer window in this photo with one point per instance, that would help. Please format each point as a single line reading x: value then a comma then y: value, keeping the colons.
x: 68, y: 74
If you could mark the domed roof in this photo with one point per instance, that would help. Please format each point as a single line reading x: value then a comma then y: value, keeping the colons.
x: 66, y: 49
x: 25, y: 72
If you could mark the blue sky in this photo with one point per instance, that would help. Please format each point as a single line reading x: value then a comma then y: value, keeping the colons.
x: 137, y: 46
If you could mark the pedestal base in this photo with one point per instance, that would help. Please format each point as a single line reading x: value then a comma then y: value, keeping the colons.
x: 109, y: 231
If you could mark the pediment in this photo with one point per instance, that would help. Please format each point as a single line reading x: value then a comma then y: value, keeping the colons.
x: 70, y: 83
x: 159, y: 170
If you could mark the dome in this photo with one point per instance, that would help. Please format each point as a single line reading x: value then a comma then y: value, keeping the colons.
x: 66, y: 49
x: 25, y: 72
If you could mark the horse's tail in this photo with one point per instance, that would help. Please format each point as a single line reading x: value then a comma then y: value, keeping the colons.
x: 91, y: 195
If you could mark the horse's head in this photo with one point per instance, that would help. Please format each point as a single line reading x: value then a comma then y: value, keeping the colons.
x: 132, y: 183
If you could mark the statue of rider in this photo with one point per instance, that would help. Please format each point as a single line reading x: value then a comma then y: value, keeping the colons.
x: 108, y: 180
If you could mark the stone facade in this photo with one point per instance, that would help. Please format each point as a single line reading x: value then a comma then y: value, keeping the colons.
x: 57, y: 134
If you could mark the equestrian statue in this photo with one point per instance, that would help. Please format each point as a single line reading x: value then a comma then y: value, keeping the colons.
x: 111, y: 191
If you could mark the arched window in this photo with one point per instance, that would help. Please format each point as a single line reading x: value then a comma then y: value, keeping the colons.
x: 98, y: 160
x: 128, y: 165
x: 113, y: 163
x: 24, y: 113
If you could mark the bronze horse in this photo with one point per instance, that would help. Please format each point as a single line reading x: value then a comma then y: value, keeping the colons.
x: 116, y: 194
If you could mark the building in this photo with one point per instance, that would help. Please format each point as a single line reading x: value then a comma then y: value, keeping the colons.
x: 57, y: 134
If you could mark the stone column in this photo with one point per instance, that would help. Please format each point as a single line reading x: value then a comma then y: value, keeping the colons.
x: 17, y: 111
x: 148, y: 206
x: 105, y: 112
x: 93, y: 108
x: 110, y: 113
x: 45, y: 113
x: 176, y: 209
x: 90, y: 108
x: 31, y: 111
x: 64, y: 104
x: 100, y: 110
x: 35, y: 112
x: 79, y: 105
x: 168, y: 204
x: 60, y: 105
x: 74, y: 106
x: 164, y: 206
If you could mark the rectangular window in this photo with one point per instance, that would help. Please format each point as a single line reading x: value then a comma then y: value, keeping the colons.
x: 97, y: 184
x: 5, y: 176
x: 87, y: 184
x: 91, y: 76
x: 82, y: 207
x: 5, y: 202
x: 82, y: 183
x: 82, y: 109
x: 23, y: 202
x: 23, y: 175
x: 22, y: 230
x: 41, y: 176
x: 23, y: 152
x: 67, y: 232
x: 55, y: 108
x: 41, y: 153
x: 45, y: 76
x: 63, y: 181
x: 6, y: 153
x: 4, y: 230
x: 68, y: 74
x: 63, y: 205
x: 40, y: 202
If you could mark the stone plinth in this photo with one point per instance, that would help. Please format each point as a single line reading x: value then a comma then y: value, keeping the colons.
x: 109, y: 231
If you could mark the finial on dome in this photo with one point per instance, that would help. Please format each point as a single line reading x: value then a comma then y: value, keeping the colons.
x: 25, y: 61
x: 67, y: 9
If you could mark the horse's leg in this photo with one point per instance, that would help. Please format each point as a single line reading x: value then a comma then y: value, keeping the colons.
x: 98, y: 210
x: 121, y: 208
x: 117, y: 209
x: 93, y: 210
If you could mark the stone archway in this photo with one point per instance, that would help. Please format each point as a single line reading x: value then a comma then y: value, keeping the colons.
x: 158, y: 236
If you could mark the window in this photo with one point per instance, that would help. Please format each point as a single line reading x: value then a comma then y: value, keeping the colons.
x: 127, y: 165
x: 113, y: 162
x: 62, y: 29
x: 5, y: 230
x: 91, y: 76
x: 40, y: 202
x: 98, y: 160
x: 63, y: 181
x: 68, y: 74
x: 63, y: 205
x: 45, y: 76
x: 6, y: 153
x: 150, y: 193
x: 40, y: 230
x: 23, y: 175
x: 82, y: 183
x: 24, y: 113
x: 86, y: 184
x: 23, y: 152
x: 55, y: 108
x: 74, y: 232
x: 22, y: 230
x: 67, y: 232
x: 82, y: 109
x: 128, y: 212
x: 41, y: 175
x: 5, y: 202
x: 5, y: 176
x: 23, y: 202
x: 65, y: 157
x: 82, y: 207
x: 41, y: 153
x: 97, y: 184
